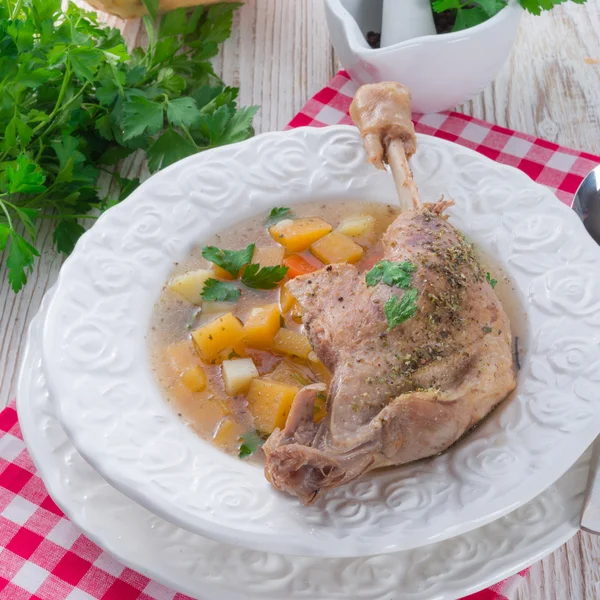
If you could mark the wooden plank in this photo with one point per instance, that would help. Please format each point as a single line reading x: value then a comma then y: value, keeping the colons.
x: 550, y: 86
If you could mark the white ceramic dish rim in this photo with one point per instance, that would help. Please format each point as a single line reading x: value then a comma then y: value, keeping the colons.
x: 347, y: 517
x: 61, y: 468
x: 359, y: 45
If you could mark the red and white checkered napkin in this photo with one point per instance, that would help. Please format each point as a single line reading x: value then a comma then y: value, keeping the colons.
x: 43, y: 556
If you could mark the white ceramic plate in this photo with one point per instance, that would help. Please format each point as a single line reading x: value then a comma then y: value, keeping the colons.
x: 207, y: 570
x: 96, y: 360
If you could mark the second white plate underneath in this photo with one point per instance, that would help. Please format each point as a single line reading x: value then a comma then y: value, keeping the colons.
x: 207, y: 570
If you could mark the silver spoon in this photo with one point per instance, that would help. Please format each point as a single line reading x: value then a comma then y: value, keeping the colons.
x: 586, y: 204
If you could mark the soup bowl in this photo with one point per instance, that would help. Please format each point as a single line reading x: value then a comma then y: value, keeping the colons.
x: 97, y: 362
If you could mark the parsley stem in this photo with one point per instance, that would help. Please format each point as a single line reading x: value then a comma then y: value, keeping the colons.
x: 66, y: 104
x: 5, y: 210
x: 61, y: 95
x: 188, y: 135
x: 17, y: 9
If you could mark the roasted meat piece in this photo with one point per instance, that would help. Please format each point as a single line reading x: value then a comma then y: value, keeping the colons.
x: 405, y: 391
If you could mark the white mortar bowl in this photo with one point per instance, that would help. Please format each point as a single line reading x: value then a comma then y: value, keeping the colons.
x: 441, y: 71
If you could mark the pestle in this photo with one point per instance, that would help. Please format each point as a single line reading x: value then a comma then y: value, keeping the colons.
x: 406, y: 19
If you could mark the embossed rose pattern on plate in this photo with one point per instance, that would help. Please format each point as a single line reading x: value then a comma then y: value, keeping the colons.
x: 96, y: 357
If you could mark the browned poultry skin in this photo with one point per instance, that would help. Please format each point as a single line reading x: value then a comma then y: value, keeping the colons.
x: 382, y: 113
x: 402, y: 394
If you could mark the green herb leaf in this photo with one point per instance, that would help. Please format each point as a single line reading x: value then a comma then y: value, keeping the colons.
x: 20, y: 260
x: 66, y: 234
x: 152, y: 8
x: 85, y: 62
x: 167, y: 149
x: 391, y: 273
x: 173, y: 23
x: 182, y: 111
x: 469, y: 17
x: 252, y: 441
x: 141, y: 116
x: 265, y: 278
x: 399, y: 310
x: 491, y: 280
x: 25, y: 177
x: 232, y: 261
x: 220, y: 291
x: 279, y: 214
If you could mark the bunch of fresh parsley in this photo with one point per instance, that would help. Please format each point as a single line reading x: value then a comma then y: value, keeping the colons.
x: 473, y: 12
x: 74, y: 102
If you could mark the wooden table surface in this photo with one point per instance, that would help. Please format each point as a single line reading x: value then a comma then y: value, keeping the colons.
x: 280, y: 54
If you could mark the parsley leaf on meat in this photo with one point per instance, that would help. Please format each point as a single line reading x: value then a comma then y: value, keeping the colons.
x: 397, y: 310
x: 220, y: 291
x: 265, y: 278
x: 391, y: 273
x: 232, y: 261
x: 251, y: 443
x: 279, y: 214
x: 490, y: 280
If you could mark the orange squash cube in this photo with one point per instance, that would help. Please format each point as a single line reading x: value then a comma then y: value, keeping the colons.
x: 222, y: 333
x: 298, y: 234
x: 336, y: 248
x: 270, y: 403
x: 194, y: 379
x: 291, y: 343
x: 261, y: 326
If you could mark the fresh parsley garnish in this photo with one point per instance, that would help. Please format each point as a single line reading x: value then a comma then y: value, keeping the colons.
x: 76, y: 102
x: 252, y: 441
x: 279, y: 214
x: 490, y: 280
x: 232, y: 261
x: 391, y: 273
x: 265, y: 278
x: 397, y: 310
x: 220, y: 291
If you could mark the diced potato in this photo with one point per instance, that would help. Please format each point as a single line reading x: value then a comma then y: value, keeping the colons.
x: 291, y: 343
x: 225, y: 332
x: 337, y: 248
x: 194, y: 379
x: 219, y: 273
x: 237, y: 375
x: 191, y: 284
x: 269, y: 403
x: 261, y: 326
x: 228, y: 434
x: 298, y: 234
x: 290, y: 374
x: 286, y: 300
x: 357, y: 226
x: 268, y: 256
